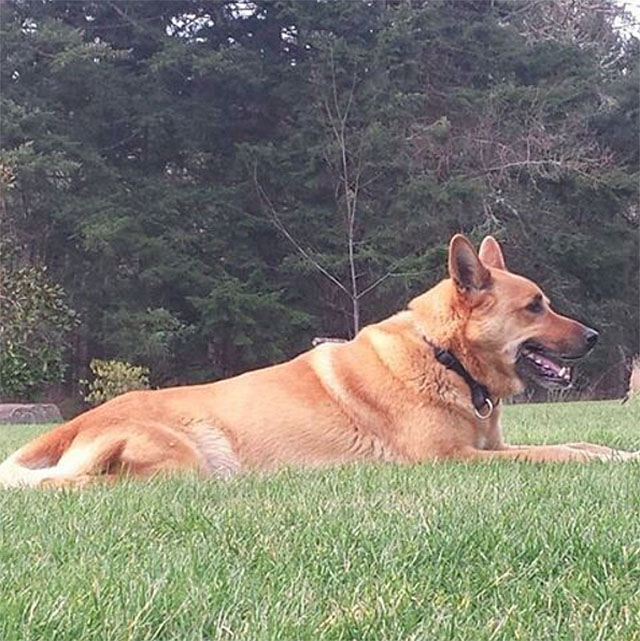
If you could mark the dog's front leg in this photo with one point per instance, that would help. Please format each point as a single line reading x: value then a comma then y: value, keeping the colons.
x: 543, y: 454
x: 604, y: 450
x: 592, y: 448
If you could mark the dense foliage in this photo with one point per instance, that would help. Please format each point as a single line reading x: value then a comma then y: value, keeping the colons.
x: 214, y: 182
x: 34, y: 324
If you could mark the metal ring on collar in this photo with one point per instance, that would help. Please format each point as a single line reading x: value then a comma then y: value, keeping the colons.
x: 484, y: 417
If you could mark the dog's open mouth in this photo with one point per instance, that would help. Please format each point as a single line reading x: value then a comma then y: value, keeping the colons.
x: 545, y: 368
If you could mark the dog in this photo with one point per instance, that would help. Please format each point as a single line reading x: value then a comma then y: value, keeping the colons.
x: 425, y: 384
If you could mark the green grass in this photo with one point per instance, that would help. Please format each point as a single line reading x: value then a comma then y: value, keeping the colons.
x: 438, y: 551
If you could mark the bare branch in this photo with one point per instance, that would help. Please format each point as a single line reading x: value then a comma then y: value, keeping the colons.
x: 281, y: 227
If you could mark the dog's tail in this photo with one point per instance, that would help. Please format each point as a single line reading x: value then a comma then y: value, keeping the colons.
x: 43, y: 460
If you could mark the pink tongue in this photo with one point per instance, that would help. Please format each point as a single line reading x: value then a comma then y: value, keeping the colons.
x: 549, y: 364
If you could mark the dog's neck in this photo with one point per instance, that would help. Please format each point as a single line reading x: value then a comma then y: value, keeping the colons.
x: 441, y: 325
x: 481, y: 399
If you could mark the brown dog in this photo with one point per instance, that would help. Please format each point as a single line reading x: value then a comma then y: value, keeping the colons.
x: 424, y: 384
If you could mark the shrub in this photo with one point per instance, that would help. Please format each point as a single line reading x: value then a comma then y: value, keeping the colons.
x: 34, y: 323
x: 112, y: 378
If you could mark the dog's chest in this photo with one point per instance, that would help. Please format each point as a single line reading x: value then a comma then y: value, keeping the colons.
x: 487, y: 433
x: 482, y: 439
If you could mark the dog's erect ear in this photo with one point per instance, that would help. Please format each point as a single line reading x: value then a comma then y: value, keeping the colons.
x: 465, y: 268
x: 491, y: 254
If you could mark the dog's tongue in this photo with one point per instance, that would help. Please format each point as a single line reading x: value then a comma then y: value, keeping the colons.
x: 550, y: 366
x: 547, y: 363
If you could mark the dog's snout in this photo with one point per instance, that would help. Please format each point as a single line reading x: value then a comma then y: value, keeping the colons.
x: 591, y: 337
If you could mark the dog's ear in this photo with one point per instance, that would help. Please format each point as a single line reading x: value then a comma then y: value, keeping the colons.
x: 491, y: 253
x: 465, y: 268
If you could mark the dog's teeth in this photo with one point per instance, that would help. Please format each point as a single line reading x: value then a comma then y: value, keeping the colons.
x: 565, y: 373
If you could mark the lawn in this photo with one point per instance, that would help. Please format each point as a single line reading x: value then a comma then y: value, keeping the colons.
x: 437, y: 551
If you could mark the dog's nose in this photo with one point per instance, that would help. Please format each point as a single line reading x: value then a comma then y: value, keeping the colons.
x: 591, y: 336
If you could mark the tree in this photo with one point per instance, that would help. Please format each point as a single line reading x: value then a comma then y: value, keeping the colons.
x: 214, y: 183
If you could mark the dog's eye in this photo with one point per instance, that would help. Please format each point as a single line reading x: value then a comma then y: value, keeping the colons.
x: 535, y: 306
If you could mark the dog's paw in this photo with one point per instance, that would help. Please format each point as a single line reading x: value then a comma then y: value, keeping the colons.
x: 622, y: 455
x: 603, y: 453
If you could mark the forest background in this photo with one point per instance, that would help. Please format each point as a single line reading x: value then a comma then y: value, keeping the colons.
x: 203, y: 186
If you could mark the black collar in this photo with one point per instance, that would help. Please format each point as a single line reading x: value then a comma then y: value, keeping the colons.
x: 480, y: 396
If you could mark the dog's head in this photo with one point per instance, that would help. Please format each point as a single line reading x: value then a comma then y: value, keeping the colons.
x: 509, y: 323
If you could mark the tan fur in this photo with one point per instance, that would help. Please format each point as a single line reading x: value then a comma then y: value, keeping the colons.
x: 381, y: 396
x: 634, y: 378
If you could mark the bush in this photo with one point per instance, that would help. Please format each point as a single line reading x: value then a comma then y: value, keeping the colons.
x: 112, y: 378
x: 34, y: 323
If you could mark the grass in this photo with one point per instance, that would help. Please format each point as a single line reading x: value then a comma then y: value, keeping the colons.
x: 437, y: 551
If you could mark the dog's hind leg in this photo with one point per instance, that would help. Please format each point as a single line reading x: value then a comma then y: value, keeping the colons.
x: 133, y: 448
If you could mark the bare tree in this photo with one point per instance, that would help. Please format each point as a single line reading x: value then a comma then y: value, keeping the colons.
x: 345, y: 156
